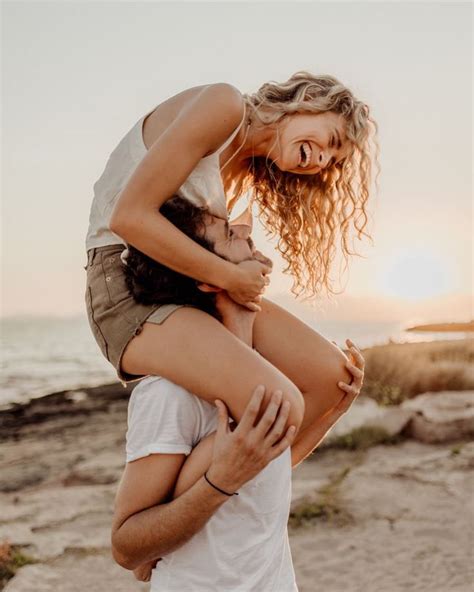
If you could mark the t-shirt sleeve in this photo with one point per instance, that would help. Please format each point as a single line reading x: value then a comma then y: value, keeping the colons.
x: 162, y: 418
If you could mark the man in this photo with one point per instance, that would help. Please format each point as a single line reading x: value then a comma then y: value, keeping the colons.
x: 207, y: 539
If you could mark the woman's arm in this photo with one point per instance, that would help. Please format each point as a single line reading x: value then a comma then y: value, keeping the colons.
x: 200, y: 128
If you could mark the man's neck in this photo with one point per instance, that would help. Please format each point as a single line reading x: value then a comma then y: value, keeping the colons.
x: 236, y: 318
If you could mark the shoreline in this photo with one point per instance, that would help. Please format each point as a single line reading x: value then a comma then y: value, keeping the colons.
x: 68, y: 400
x: 66, y: 403
x: 467, y: 327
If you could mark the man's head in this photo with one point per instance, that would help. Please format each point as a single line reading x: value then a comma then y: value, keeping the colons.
x: 150, y: 282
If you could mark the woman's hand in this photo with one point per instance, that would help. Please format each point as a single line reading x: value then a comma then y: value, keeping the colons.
x: 251, y: 282
x: 143, y: 572
x: 352, y: 390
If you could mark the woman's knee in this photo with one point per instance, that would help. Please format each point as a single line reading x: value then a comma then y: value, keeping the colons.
x: 323, y: 392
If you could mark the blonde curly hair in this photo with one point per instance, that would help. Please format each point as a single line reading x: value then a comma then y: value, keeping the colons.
x: 307, y: 211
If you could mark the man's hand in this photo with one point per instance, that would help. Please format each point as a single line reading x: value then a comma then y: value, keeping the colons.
x: 240, y: 453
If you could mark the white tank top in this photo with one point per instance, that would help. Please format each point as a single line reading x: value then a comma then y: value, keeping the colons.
x: 203, y: 187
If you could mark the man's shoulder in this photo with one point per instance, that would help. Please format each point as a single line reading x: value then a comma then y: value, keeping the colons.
x: 167, y: 395
x: 153, y: 384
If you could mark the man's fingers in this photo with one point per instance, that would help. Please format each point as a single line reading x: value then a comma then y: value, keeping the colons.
x: 223, y: 417
x: 252, y: 409
x: 268, y: 417
x: 279, y: 425
x: 283, y: 443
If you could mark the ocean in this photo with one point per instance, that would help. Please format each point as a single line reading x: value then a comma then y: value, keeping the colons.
x: 43, y: 355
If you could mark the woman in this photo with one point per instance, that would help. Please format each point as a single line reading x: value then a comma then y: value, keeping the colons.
x: 302, y: 149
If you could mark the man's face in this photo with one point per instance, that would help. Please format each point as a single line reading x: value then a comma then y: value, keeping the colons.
x: 230, y: 242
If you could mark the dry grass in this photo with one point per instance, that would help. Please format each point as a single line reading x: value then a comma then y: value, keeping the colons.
x: 395, y: 372
x: 325, y: 506
x: 364, y: 437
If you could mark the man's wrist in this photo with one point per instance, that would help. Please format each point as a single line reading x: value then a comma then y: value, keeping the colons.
x: 221, y: 482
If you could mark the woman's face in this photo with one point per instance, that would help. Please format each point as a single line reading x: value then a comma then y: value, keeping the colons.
x: 309, y: 142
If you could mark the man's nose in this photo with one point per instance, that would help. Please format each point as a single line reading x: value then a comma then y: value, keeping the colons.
x: 241, y: 230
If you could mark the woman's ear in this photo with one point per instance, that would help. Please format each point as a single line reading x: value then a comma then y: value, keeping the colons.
x: 208, y: 288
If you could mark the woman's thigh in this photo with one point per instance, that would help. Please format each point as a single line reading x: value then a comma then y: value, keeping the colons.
x: 194, y: 350
x: 307, y: 358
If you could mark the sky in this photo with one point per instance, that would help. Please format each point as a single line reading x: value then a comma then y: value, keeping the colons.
x: 77, y: 75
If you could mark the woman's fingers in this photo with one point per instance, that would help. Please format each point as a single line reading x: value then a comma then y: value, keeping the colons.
x: 357, y: 372
x: 252, y: 306
x: 349, y: 388
x: 355, y: 351
x: 259, y: 256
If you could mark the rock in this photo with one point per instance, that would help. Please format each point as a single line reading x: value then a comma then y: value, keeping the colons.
x: 75, y: 572
x: 21, y: 475
x: 441, y: 417
x: 393, y: 420
x: 101, y: 469
x: 367, y: 413
x: 362, y: 410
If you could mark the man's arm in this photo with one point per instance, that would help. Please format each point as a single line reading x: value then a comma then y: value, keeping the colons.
x: 146, y: 524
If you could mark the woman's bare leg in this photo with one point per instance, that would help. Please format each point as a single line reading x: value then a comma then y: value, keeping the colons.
x: 194, y: 350
x: 307, y: 358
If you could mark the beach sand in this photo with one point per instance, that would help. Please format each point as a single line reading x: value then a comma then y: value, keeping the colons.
x: 387, y: 519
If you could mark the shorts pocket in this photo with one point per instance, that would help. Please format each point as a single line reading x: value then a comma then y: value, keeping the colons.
x: 115, y: 277
x: 98, y: 335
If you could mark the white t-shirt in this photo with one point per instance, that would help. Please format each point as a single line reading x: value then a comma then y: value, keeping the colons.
x: 244, y: 546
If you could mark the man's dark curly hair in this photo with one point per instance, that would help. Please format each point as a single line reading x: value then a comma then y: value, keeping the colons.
x: 150, y: 282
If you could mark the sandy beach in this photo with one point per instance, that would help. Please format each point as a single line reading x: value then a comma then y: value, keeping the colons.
x: 384, y: 518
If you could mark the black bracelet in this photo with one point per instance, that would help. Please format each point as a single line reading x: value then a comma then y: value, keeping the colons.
x: 221, y: 490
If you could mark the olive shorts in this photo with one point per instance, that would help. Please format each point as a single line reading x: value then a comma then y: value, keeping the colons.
x: 114, y: 316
